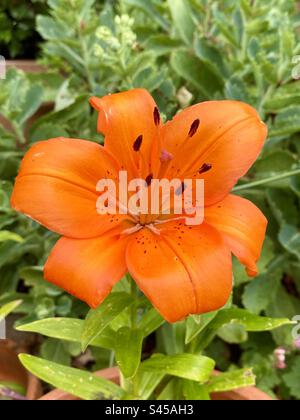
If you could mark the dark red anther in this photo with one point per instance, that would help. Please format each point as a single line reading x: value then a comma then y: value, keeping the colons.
x: 194, y: 128
x: 138, y: 143
x: 205, y: 168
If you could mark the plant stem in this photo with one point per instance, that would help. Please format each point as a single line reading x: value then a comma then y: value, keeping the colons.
x: 130, y: 384
x: 134, y: 295
x: 264, y: 181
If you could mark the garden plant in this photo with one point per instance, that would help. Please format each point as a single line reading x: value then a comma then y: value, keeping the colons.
x: 149, y: 305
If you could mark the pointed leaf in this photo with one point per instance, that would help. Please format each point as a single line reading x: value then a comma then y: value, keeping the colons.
x: 186, y: 366
x: 77, y: 382
x: 151, y: 322
x: 251, y: 322
x: 183, y: 19
x: 97, y: 320
x: 8, y: 308
x: 194, y: 328
x: 231, y: 380
x: 68, y: 329
x: 128, y: 349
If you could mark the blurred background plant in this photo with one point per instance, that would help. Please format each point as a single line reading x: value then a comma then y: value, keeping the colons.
x: 18, y: 37
x: 183, y: 52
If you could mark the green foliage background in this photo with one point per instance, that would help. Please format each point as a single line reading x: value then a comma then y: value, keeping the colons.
x: 183, y: 52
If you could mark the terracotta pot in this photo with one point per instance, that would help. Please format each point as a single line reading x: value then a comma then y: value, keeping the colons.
x: 112, y: 374
x: 12, y: 371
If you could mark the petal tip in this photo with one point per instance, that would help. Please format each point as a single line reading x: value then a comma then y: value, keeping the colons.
x: 95, y: 103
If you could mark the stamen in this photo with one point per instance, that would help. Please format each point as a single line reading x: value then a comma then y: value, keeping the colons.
x: 153, y: 229
x: 174, y: 219
x: 194, y: 128
x: 130, y: 231
x: 205, y: 168
x: 156, y: 116
x: 166, y: 156
x: 138, y: 143
x: 181, y: 189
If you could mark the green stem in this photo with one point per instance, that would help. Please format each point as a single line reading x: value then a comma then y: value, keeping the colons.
x: 134, y: 295
x: 130, y: 384
x: 264, y: 181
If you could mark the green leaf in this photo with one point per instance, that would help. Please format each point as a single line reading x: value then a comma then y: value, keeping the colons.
x: 10, y: 236
x: 193, y: 391
x: 283, y: 304
x: 97, y: 320
x: 33, y: 101
x: 186, y: 366
x: 68, y: 329
x: 161, y: 44
x: 183, y: 19
x: 231, y: 380
x: 148, y: 382
x: 51, y: 29
x: 47, y: 131
x: 292, y: 379
x: 55, y: 351
x: 283, y: 206
x: 295, y: 185
x: 194, y: 328
x: 128, y: 350
x: 172, y: 391
x: 251, y: 322
x: 239, y: 24
x: 233, y: 333
x: 8, y: 308
x: 259, y: 292
x: 289, y: 237
x: 212, y: 57
x: 77, y: 382
x: 150, y: 11
x: 150, y: 322
x: 286, y: 123
x: 274, y: 163
x: 196, y: 72
x: 64, y: 305
x: 283, y: 97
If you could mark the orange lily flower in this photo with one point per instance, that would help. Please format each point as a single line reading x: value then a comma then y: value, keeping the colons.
x: 181, y: 269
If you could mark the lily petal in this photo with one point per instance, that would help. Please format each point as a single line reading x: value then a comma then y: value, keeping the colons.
x: 243, y: 226
x: 87, y: 269
x: 183, y: 271
x: 221, y: 139
x: 56, y: 186
x: 130, y: 122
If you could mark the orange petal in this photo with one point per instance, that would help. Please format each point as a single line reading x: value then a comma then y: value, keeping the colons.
x: 182, y: 271
x: 130, y: 122
x: 243, y: 226
x: 88, y: 269
x: 220, y: 139
x: 57, y: 183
